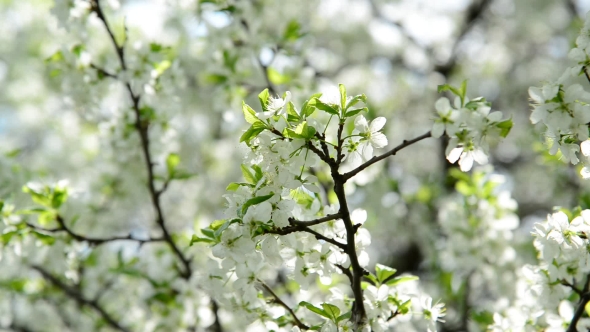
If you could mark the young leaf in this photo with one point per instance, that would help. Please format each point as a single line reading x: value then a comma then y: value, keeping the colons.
x: 254, y: 130
x: 314, y: 309
x: 401, y: 279
x: 249, y: 113
x: 172, y: 162
x: 332, y: 310
x: 356, y: 99
x: 263, y: 97
x: 309, y: 106
x: 196, y: 239
x: 505, y: 127
x: 355, y: 111
x: 384, y: 272
x: 343, y: 96
x: 248, y: 176
x: 255, y: 200
x: 325, y: 107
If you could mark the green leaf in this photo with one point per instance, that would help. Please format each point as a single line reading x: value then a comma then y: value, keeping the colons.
x: 356, y: 99
x: 208, y: 232
x: 292, y: 31
x: 255, y: 201
x: 384, y: 272
x: 60, y: 195
x: 305, y: 131
x: 505, y: 127
x: 314, y: 309
x: 252, y: 132
x: 263, y: 97
x: 332, y: 310
x: 217, y: 223
x: 215, y: 78
x: 464, y: 188
x: 162, y: 66
x: 172, y: 162
x: 302, y: 198
x: 155, y: 47
x: 248, y: 176
x: 44, y: 238
x: 276, y: 77
x: 343, y: 96
x: 249, y: 114
x: 232, y: 186
x: 78, y: 49
x: 355, y: 111
x: 56, y: 57
x: 402, y: 279
x: 344, y: 316
x: 6, y: 237
x: 196, y: 239
x: 292, y: 115
x: 325, y: 107
x: 309, y: 105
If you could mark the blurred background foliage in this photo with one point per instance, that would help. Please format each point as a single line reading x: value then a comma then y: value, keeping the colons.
x: 59, y: 121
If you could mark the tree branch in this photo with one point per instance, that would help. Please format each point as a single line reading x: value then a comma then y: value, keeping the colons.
x: 278, y: 300
x: 301, y: 228
x: 405, y: 143
x: 91, y: 240
x: 142, y: 127
x: 318, y: 221
x: 77, y: 296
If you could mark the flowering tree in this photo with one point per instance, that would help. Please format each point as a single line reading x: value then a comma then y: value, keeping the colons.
x: 344, y: 211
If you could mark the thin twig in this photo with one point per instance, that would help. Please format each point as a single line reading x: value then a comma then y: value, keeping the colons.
x: 301, y: 228
x: 389, y: 153
x: 80, y: 299
x: 278, y: 300
x: 91, y: 240
x: 318, y: 221
x: 142, y: 126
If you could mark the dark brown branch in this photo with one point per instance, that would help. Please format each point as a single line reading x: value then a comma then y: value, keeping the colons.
x: 474, y: 13
x: 77, y: 296
x: 91, y: 240
x: 579, y: 312
x: 318, y: 221
x: 142, y: 126
x: 573, y: 287
x: 301, y: 228
x: 216, y: 326
x: 278, y: 300
x: 102, y: 71
x: 389, y: 153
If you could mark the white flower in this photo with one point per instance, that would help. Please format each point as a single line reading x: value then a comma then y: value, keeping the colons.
x: 370, y: 135
x: 466, y: 157
x: 275, y: 106
x: 432, y: 313
x: 447, y: 117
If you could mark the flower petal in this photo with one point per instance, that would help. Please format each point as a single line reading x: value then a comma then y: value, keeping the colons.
x: 438, y: 129
x: 378, y: 140
x: 360, y: 123
x: 454, y: 155
x: 377, y: 124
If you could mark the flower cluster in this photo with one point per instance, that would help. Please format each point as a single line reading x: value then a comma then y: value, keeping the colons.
x: 544, y: 297
x: 563, y: 107
x: 276, y: 223
x: 468, y: 123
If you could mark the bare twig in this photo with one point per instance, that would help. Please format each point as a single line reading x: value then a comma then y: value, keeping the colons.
x: 142, y: 127
x: 302, y: 228
x: 278, y: 300
x: 80, y: 299
x: 91, y: 240
x: 389, y: 153
x: 315, y: 221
